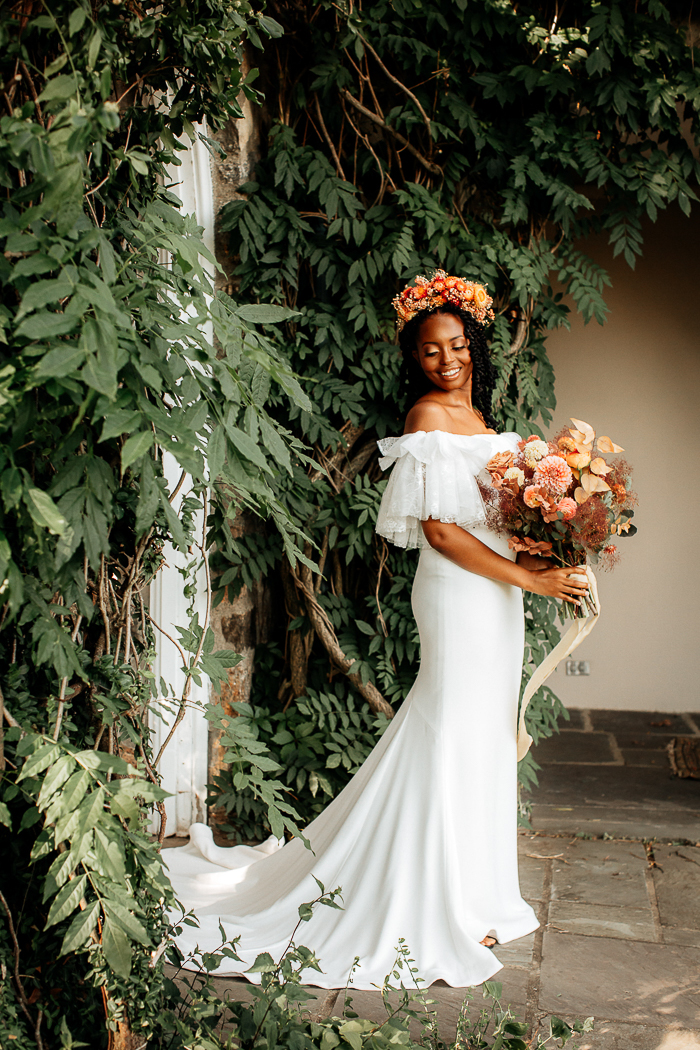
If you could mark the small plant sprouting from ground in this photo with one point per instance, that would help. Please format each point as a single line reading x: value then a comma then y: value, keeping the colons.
x: 285, y: 1011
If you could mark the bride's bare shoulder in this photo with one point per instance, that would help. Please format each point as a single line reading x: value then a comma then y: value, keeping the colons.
x: 426, y: 415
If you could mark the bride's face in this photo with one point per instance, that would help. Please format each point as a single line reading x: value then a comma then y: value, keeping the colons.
x: 442, y: 351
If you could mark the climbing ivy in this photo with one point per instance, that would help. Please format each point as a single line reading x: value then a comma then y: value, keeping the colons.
x: 117, y: 357
x: 484, y: 137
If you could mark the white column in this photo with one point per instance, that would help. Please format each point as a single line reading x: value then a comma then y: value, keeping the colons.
x: 184, y: 765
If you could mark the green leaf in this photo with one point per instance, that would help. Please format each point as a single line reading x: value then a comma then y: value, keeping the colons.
x: 44, y: 511
x: 39, y: 761
x: 94, y: 48
x: 30, y: 817
x: 264, y: 314
x: 128, y: 922
x: 5, y: 817
x: 70, y: 796
x: 61, y: 87
x: 119, y: 421
x: 84, y: 817
x: 105, y: 762
x: 264, y: 963
x: 80, y: 929
x: 59, y: 872
x: 66, y: 901
x: 271, y: 26
x: 216, y: 453
x: 46, y: 325
x: 75, y: 24
x: 116, y: 948
x: 109, y: 856
x: 135, y: 447
x: 247, y: 447
x: 57, y: 775
x: 58, y: 63
x: 61, y: 361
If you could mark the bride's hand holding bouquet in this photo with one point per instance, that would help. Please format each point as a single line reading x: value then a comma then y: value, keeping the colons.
x: 562, y: 501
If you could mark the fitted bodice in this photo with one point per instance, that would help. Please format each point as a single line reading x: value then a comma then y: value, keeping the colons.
x: 435, y: 476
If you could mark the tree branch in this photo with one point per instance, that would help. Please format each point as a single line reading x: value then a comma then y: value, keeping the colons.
x: 28, y: 77
x: 64, y: 683
x: 434, y: 169
x: 520, y: 334
x: 351, y: 435
x: 394, y: 80
x: 326, y: 634
x: 21, y: 994
x: 383, y: 175
x: 331, y: 147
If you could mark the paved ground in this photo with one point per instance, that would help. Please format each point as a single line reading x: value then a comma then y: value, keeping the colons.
x: 608, y: 772
x: 620, y: 916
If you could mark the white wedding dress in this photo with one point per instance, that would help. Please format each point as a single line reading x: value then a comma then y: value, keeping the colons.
x: 423, y: 838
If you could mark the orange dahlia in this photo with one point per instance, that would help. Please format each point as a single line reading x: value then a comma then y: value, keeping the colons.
x: 554, y: 474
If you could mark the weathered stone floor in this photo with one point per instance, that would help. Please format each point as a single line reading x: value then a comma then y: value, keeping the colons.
x: 608, y: 772
x: 620, y: 917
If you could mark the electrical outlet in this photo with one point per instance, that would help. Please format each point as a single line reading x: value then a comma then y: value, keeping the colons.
x: 578, y: 668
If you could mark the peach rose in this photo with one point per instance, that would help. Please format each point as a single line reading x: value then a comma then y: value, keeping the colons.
x: 567, y: 507
x: 500, y: 463
x: 533, y: 497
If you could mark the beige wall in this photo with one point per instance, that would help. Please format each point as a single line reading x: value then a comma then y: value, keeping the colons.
x: 637, y: 379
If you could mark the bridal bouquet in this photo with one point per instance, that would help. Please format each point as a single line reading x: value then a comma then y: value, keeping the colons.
x: 562, y: 498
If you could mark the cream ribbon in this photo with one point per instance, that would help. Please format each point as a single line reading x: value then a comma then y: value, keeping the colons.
x: 579, y: 629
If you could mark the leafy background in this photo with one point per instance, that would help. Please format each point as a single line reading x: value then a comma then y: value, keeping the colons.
x: 398, y: 137
x: 485, y: 139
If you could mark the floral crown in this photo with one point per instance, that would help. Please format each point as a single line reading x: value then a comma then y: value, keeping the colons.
x: 439, y: 290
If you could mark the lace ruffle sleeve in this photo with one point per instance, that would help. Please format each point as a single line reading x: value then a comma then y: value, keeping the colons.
x: 433, y: 476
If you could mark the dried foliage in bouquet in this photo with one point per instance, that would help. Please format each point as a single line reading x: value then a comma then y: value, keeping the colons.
x: 562, y: 499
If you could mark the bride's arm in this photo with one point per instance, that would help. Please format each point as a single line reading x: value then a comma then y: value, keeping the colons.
x: 471, y: 554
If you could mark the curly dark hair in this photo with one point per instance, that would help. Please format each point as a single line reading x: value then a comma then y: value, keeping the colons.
x: 415, y: 383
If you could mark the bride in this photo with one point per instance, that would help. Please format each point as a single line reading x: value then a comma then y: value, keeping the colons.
x: 423, y: 838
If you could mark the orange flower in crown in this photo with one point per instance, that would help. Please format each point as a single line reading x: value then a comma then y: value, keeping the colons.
x: 439, y: 290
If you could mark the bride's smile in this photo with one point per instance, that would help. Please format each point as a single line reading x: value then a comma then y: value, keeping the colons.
x: 442, y: 351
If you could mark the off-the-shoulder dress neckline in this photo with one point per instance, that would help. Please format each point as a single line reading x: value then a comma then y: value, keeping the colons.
x: 449, y: 433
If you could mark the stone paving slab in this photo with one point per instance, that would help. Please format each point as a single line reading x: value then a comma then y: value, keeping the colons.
x: 677, y: 883
x: 448, y: 1002
x: 636, y: 722
x: 678, y: 935
x: 620, y: 980
x: 607, y: 771
x: 621, y: 800
x: 516, y: 953
x: 531, y: 869
x: 645, y: 741
x: 577, y: 747
x: 601, y: 872
x: 642, y: 757
x: 601, y: 920
x: 613, y: 1035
